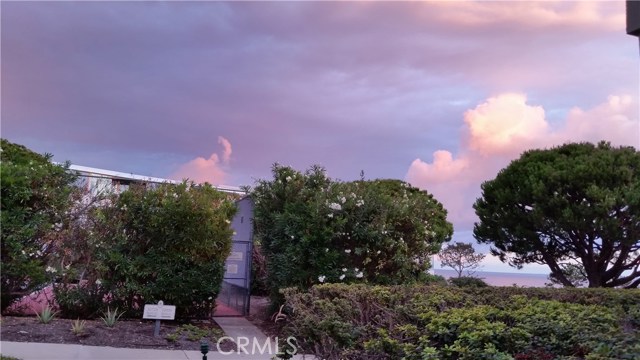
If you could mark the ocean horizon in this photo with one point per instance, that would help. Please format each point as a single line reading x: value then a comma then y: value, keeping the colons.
x: 502, y: 278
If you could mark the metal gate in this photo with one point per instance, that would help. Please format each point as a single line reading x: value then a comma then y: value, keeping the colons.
x: 235, y: 292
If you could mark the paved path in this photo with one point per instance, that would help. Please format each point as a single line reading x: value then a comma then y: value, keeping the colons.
x: 239, y: 329
x: 42, y: 351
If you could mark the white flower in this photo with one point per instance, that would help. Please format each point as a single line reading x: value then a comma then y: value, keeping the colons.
x: 334, y: 206
x: 330, y: 215
x: 293, y: 237
x: 378, y: 252
x: 98, y: 282
x: 359, y: 275
x: 49, y: 269
x: 321, y: 278
x: 343, y: 200
x: 342, y: 277
x: 348, y: 251
x: 344, y: 269
x: 227, y: 221
x: 359, y: 203
x: 288, y: 178
x: 326, y: 249
x: 210, y: 297
x: 356, y: 269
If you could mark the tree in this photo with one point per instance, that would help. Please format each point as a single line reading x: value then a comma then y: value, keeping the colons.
x: 573, y: 272
x: 461, y: 257
x: 35, y: 197
x: 314, y: 229
x: 576, y: 203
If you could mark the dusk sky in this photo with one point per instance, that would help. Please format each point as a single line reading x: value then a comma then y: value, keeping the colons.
x: 441, y: 94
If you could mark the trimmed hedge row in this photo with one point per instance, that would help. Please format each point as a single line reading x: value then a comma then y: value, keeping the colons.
x: 338, y: 321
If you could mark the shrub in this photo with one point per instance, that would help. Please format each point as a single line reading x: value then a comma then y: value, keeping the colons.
x: 75, y: 300
x: 169, y: 243
x: 468, y: 281
x: 338, y: 321
x: 314, y: 229
x: 35, y: 195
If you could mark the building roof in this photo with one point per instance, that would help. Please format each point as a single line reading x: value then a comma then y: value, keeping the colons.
x: 102, y: 173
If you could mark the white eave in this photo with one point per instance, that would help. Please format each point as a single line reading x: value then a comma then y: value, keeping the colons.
x: 95, y: 172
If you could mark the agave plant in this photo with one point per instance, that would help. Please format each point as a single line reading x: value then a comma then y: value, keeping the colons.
x: 110, y: 318
x: 77, y: 327
x: 46, y: 314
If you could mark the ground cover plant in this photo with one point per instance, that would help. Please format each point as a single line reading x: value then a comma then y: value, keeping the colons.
x: 338, y: 321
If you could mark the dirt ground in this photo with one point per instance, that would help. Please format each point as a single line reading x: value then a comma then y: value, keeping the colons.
x: 125, y: 333
x: 133, y: 333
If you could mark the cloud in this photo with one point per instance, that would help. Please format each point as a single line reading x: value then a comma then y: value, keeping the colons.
x: 226, y: 154
x: 499, y: 130
x: 502, y: 122
x: 211, y: 170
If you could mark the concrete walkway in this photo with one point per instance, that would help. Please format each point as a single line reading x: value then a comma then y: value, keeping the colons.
x: 252, y: 343
x: 42, y: 351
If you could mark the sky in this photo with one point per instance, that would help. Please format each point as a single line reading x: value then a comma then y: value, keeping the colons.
x: 441, y: 94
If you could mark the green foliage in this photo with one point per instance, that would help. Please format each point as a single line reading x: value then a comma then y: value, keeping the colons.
x: 460, y: 256
x: 46, y: 315
x: 357, y: 321
x: 165, y: 243
x: 35, y: 195
x: 111, y: 317
x: 430, y: 279
x: 76, y: 300
x: 195, y: 333
x: 468, y: 281
x: 572, y: 272
x: 314, y: 229
x: 576, y: 201
x: 78, y: 327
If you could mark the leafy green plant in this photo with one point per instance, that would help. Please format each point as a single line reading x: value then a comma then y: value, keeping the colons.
x: 46, y: 315
x: 314, y: 230
x: 173, y: 337
x: 195, y: 333
x: 78, y: 327
x: 35, y: 195
x: 359, y: 321
x: 111, y: 317
x: 468, y: 281
x: 166, y: 243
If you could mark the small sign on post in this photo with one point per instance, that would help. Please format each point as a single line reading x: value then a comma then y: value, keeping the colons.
x: 159, y: 312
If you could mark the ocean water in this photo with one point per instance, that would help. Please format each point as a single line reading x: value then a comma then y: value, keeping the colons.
x: 503, y: 278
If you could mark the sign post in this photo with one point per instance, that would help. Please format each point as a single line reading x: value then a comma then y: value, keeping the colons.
x: 159, y: 312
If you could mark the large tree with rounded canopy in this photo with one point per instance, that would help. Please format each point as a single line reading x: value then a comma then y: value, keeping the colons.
x: 573, y: 204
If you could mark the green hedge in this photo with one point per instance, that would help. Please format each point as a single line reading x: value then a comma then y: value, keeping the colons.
x: 337, y: 321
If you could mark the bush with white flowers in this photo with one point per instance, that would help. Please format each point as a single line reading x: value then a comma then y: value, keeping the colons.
x: 314, y: 229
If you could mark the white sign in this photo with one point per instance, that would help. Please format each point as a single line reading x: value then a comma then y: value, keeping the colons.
x: 159, y: 312
x: 235, y: 256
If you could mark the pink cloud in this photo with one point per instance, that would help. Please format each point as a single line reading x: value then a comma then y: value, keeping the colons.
x: 502, y: 122
x: 226, y: 153
x: 211, y: 170
x: 499, y: 130
x: 541, y: 14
